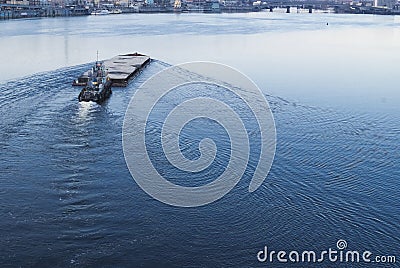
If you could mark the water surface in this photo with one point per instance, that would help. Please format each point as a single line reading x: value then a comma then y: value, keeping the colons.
x: 67, y: 197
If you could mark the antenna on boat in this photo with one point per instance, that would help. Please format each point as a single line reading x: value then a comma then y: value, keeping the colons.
x: 97, y: 55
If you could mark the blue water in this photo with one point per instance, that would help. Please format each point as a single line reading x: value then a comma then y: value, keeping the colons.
x: 67, y: 198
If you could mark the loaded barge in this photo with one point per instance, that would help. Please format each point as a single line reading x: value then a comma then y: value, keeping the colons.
x: 116, y: 72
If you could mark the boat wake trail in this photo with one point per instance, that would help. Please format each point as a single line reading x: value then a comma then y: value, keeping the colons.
x: 21, y: 99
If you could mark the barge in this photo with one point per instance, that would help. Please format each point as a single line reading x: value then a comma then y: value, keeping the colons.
x: 120, y: 69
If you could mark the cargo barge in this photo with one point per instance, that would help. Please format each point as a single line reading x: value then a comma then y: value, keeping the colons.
x: 120, y: 69
x: 116, y: 72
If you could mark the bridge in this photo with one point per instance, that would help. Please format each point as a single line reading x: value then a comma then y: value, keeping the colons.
x: 310, y: 5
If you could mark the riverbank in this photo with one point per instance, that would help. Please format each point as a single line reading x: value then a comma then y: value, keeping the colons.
x: 11, y: 11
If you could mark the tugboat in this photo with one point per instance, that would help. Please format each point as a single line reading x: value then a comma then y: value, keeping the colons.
x: 98, y: 86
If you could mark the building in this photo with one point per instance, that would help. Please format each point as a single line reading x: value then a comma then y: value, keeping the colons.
x: 385, y: 3
x: 18, y: 2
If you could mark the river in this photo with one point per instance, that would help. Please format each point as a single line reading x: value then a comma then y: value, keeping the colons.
x: 67, y: 197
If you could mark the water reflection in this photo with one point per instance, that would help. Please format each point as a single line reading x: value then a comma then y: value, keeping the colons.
x: 85, y: 109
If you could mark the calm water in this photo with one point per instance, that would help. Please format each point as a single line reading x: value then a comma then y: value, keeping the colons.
x: 67, y: 197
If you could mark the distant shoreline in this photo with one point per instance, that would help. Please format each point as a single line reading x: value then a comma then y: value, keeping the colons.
x: 11, y: 11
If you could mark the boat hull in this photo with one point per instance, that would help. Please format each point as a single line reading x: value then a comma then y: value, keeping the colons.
x: 95, y: 94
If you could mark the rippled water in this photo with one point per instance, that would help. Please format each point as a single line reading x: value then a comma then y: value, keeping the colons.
x: 67, y: 197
